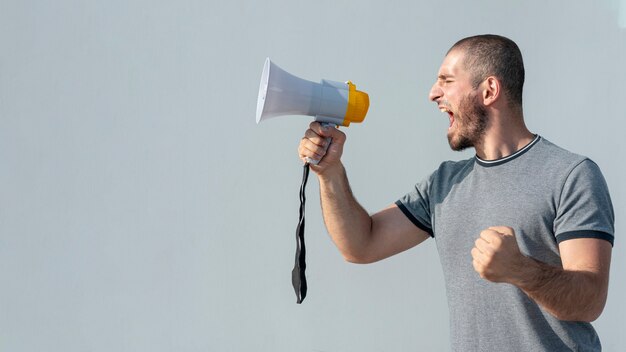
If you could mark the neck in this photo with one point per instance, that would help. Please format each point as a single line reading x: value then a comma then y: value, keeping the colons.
x: 504, y: 136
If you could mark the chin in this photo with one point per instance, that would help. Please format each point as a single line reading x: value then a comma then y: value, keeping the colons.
x: 460, y: 143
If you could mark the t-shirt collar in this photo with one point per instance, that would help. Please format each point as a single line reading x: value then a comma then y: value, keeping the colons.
x: 489, y: 163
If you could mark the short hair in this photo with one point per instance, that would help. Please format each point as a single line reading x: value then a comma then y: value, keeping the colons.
x: 493, y: 55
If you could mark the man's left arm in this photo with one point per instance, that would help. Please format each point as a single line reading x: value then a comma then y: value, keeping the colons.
x: 577, y: 291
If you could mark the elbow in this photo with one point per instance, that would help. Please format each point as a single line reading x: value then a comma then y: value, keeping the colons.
x: 359, y: 253
x: 590, y: 318
x: 586, y: 315
x: 358, y: 258
x: 593, y: 314
x: 585, y: 318
x: 595, y: 309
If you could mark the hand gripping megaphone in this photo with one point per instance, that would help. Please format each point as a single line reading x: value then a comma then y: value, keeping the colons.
x: 331, y: 103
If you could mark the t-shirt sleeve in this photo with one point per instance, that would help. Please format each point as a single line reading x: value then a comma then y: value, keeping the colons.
x: 585, y: 209
x: 416, y: 206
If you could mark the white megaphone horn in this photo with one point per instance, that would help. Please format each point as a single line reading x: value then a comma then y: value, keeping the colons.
x: 330, y: 102
x: 281, y: 93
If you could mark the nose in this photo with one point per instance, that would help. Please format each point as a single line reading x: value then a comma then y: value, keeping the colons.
x: 435, y: 93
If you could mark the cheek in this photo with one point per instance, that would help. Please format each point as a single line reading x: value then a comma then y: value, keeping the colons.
x: 455, y: 102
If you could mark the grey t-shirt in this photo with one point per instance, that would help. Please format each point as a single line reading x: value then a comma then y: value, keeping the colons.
x: 547, y: 195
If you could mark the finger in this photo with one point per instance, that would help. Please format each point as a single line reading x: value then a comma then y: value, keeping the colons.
x: 322, y: 130
x: 490, y: 236
x: 476, y: 254
x: 481, y: 257
x: 316, y: 138
x: 313, y: 141
x: 335, y: 133
x: 307, y: 156
x: 315, y: 126
x: 483, y: 246
x: 503, y: 230
x: 478, y: 266
x: 308, y: 149
x: 327, y: 131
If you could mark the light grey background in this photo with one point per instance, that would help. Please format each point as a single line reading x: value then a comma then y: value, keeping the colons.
x: 142, y: 209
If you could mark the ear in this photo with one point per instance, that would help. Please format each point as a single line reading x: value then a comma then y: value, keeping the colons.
x: 491, y: 90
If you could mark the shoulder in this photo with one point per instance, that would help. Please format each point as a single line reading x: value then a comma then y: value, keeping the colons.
x: 554, y: 153
x: 449, y: 168
x: 558, y: 161
x: 572, y: 162
x: 448, y: 172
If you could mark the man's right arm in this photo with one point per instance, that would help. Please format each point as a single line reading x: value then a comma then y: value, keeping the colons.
x: 360, y: 238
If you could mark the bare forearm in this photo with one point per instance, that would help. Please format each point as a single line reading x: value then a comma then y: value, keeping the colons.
x: 574, y: 295
x: 347, y: 222
x: 574, y: 291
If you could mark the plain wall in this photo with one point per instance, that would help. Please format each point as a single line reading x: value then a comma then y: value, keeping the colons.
x: 143, y: 209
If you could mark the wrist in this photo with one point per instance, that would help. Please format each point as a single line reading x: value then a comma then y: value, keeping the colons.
x: 527, y: 270
x: 330, y: 173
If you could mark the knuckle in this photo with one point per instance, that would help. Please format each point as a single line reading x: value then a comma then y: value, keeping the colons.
x: 488, y: 262
x: 320, y: 141
x: 318, y: 149
x: 474, y: 252
x: 476, y: 264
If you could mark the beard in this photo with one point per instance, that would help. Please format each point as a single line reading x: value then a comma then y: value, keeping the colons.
x: 471, y: 123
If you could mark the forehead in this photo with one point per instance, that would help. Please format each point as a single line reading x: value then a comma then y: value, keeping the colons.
x: 452, y: 65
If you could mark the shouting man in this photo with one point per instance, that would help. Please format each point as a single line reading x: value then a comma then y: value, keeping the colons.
x: 524, y: 229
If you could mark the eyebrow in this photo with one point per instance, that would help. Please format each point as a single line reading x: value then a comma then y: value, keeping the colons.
x: 444, y: 76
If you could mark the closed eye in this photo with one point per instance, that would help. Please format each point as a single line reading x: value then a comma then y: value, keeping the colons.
x: 443, y: 79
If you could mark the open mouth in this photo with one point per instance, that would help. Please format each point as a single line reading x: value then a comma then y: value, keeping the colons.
x: 450, y: 115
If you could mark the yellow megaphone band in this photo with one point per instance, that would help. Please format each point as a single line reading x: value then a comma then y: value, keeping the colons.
x: 358, y: 103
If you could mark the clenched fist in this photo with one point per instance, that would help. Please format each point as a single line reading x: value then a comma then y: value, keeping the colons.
x: 323, y: 143
x: 496, y: 255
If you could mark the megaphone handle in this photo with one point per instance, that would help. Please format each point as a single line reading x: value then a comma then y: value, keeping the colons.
x: 328, y: 141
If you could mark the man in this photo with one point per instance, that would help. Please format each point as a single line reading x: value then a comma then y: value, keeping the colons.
x: 524, y: 229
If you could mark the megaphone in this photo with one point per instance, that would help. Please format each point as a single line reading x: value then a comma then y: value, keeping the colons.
x: 330, y: 102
